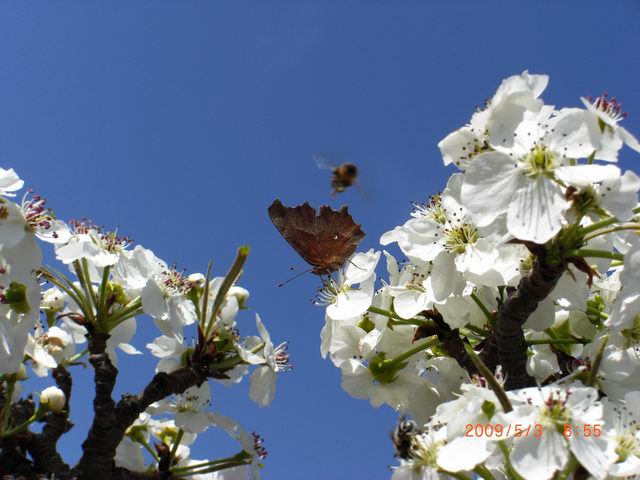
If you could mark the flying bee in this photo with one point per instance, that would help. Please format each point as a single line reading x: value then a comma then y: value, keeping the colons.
x: 342, y: 176
x: 402, y: 437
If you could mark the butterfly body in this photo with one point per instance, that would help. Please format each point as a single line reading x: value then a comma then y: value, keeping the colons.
x: 324, y: 240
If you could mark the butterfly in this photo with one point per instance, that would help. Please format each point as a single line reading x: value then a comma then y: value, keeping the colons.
x: 323, y: 240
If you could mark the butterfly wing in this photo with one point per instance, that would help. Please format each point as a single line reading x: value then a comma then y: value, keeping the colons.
x: 338, y: 236
x: 324, y: 241
x: 297, y: 226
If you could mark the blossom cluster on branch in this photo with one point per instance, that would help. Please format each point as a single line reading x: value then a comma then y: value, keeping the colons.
x: 517, y: 308
x: 53, y: 319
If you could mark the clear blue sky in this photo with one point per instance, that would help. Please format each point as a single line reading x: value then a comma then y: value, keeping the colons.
x: 181, y: 121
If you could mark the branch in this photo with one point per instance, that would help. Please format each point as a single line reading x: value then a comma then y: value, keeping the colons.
x: 450, y: 340
x: 97, y: 457
x: 111, y: 421
x: 514, y: 312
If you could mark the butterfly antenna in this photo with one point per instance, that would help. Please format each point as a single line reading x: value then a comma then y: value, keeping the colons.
x: 294, y: 277
x: 354, y: 264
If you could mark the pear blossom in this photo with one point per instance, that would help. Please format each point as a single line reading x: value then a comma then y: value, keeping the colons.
x: 553, y: 407
x: 608, y: 112
x: 270, y: 360
x: 515, y: 96
x: 341, y: 297
x: 189, y: 408
x: 518, y: 178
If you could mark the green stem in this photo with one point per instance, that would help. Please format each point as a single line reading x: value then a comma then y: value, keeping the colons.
x: 491, y: 380
x: 567, y: 471
x: 101, y: 313
x: 392, y: 362
x: 75, y: 358
x: 484, y: 472
x: 72, y: 290
x: 587, y: 252
x: 176, y: 444
x: 482, y: 307
x: 597, y: 313
x: 229, y: 280
x: 140, y: 439
x: 133, y: 308
x: 229, y: 363
x: 88, y: 292
x: 205, y: 298
x: 87, y: 277
x: 559, y: 341
x: 34, y: 418
x: 457, y: 475
x: 512, y: 474
x: 598, y: 225
x: 67, y: 286
x: 591, y: 380
x: 6, y: 409
x: 397, y: 318
x: 618, y: 228
x: 238, y: 459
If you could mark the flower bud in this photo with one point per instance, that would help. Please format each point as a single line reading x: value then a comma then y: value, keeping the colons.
x: 21, y: 373
x: 53, y: 398
x: 241, y: 294
x: 197, y: 279
x: 52, y: 300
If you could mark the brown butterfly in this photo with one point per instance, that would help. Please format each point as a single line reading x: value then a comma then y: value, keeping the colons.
x: 324, y: 240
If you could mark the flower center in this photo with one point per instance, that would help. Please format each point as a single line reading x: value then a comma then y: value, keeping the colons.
x: 632, y: 334
x: 425, y: 450
x: 457, y: 238
x: 281, y: 357
x: 539, y: 161
x: 175, y: 282
x: 109, y: 241
x: 609, y: 106
x: 555, y: 410
x: 432, y: 210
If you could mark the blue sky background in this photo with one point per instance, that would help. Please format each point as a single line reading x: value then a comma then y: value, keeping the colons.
x: 181, y: 122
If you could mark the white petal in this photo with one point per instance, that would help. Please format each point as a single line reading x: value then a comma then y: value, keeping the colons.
x: 352, y: 303
x: 629, y: 139
x: 489, y: 185
x: 262, y: 386
x: 153, y: 301
x: 575, y: 133
x: 537, y: 458
x: 360, y: 267
x: 464, y: 453
x: 537, y: 211
x: 584, y: 175
x: 591, y: 453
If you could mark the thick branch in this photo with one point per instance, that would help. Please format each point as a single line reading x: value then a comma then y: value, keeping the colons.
x: 515, y: 311
x: 111, y: 421
x: 97, y: 458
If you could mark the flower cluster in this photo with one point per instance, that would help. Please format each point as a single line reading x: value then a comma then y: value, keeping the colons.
x: 51, y: 320
x: 517, y: 303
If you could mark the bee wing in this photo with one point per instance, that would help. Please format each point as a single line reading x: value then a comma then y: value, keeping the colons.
x: 362, y: 191
x: 322, y: 162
